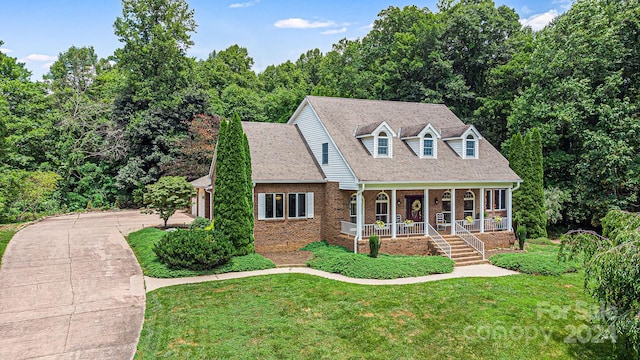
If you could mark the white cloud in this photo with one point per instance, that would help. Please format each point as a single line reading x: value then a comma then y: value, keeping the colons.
x: 367, y: 27
x: 47, y: 65
x: 244, y: 4
x: 525, y: 10
x: 539, y: 21
x: 5, y: 50
x: 297, y: 23
x: 334, y: 31
x: 39, y: 58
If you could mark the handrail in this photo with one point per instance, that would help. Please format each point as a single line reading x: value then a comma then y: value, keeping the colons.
x: 470, y: 239
x: 439, y: 240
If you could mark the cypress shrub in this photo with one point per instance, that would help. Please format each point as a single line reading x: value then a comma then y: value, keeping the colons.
x: 233, y: 204
x: 521, y: 234
x: 374, y: 246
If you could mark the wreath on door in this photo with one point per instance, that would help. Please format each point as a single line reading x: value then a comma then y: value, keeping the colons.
x: 416, y: 205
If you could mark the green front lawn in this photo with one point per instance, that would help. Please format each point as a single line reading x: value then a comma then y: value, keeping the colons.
x: 295, y: 316
x: 540, y: 258
x: 6, y: 233
x: 339, y: 260
x: 142, y: 242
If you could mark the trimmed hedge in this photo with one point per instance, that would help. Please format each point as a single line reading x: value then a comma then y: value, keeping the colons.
x: 339, y: 260
x: 193, y: 249
x: 143, y: 241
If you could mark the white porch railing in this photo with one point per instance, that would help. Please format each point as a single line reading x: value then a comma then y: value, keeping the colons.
x: 470, y: 239
x: 439, y: 240
x: 493, y: 225
x: 489, y: 224
x: 402, y: 229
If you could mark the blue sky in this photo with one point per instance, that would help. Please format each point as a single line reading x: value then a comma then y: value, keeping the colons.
x: 273, y: 31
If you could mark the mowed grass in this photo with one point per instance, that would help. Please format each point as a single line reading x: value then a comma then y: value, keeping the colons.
x: 142, y: 243
x: 540, y: 258
x: 6, y: 233
x: 296, y: 316
x: 339, y: 260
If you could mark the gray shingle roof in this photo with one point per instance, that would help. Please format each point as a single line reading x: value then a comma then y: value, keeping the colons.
x: 367, y: 129
x: 454, y: 131
x: 278, y: 154
x: 341, y: 116
x: 202, y: 183
x: 414, y: 130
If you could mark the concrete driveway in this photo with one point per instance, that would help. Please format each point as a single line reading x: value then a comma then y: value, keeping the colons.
x: 71, y: 288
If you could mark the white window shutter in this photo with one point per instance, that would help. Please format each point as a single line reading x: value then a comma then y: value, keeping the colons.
x: 310, y: 205
x: 261, y: 206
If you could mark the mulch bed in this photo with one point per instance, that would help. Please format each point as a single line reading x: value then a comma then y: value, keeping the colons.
x: 289, y: 258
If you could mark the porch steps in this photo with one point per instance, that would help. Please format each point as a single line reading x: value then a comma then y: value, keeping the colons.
x: 462, y: 253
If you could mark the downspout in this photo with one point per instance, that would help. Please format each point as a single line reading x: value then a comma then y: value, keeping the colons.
x: 358, y: 218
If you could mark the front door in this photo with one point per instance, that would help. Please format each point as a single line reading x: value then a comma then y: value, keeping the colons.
x: 414, y: 208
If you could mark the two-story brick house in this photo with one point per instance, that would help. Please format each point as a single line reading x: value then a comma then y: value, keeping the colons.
x: 344, y: 169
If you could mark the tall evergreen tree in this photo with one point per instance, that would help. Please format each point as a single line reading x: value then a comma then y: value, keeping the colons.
x: 232, y: 210
x: 249, y: 182
x: 525, y: 158
x: 538, y: 219
x: 517, y: 163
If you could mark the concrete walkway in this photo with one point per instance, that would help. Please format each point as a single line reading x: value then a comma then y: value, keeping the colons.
x: 71, y: 288
x: 483, y: 270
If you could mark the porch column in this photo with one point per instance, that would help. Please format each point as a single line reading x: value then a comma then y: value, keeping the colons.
x: 393, y: 214
x: 482, y: 207
x: 359, y: 218
x: 453, y: 211
x: 509, y: 210
x: 425, y: 217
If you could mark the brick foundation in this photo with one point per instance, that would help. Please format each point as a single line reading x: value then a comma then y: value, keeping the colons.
x: 498, y: 239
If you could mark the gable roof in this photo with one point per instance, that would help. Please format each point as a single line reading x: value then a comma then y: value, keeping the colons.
x: 340, y: 116
x: 278, y: 154
x: 415, y: 130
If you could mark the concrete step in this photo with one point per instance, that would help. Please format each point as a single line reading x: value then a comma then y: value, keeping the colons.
x: 471, y: 262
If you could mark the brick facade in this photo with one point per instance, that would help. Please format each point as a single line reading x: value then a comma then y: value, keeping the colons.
x: 332, y: 205
x: 289, y: 234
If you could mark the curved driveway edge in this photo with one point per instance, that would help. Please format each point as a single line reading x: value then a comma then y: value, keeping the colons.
x: 71, y: 288
x: 483, y: 270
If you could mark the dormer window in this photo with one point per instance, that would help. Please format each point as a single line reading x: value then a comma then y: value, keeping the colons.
x: 422, y: 139
x: 470, y: 144
x: 427, y: 146
x: 377, y: 138
x: 383, y: 144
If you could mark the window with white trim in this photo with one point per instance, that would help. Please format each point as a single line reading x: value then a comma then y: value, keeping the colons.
x: 500, y: 199
x: 325, y: 153
x: 469, y: 204
x: 470, y: 144
x: 383, y: 144
x: 488, y: 200
x: 446, y: 206
x: 353, y: 208
x: 428, y: 146
x: 271, y: 206
x: 382, y: 207
x: 297, y: 205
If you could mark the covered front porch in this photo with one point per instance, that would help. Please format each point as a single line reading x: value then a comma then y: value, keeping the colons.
x: 433, y: 212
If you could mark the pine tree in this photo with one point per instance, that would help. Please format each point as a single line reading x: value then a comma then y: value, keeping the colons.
x: 233, y: 209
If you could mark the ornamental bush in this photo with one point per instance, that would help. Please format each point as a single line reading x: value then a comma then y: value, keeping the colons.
x: 374, y: 246
x: 199, y: 223
x: 193, y: 249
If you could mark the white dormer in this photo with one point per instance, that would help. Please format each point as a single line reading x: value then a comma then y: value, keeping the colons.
x: 377, y: 138
x: 464, y: 140
x: 423, y: 140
